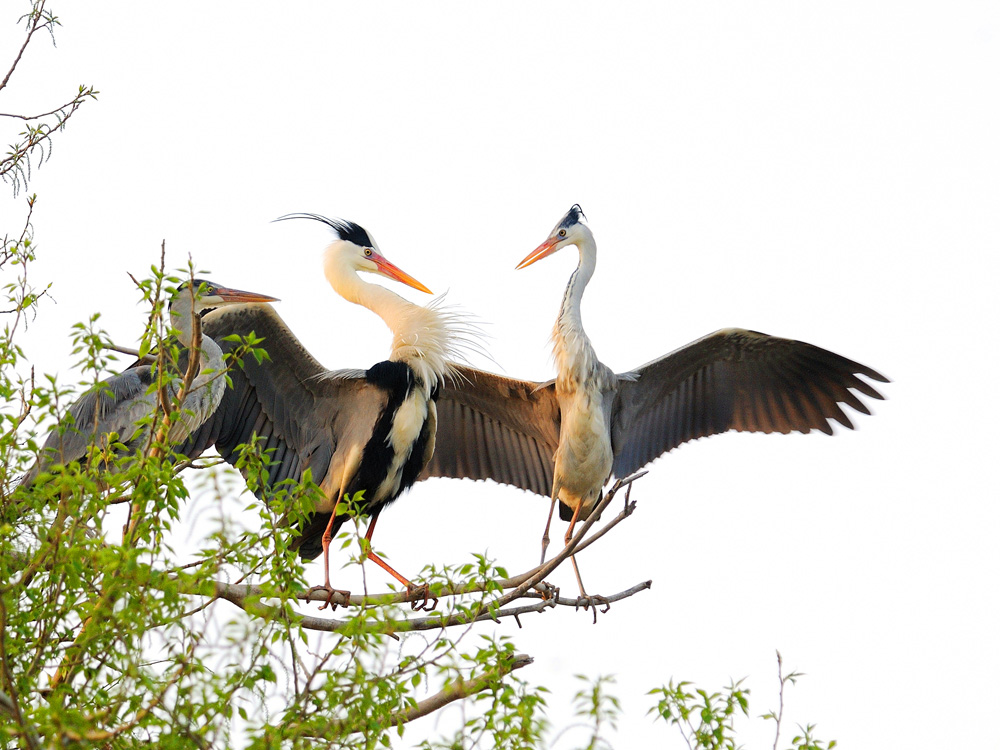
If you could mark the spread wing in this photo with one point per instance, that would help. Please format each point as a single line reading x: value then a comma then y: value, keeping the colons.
x: 732, y: 379
x: 298, y: 409
x: 493, y: 427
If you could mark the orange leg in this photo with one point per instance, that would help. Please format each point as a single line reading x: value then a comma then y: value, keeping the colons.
x: 326, y: 539
x: 413, y: 591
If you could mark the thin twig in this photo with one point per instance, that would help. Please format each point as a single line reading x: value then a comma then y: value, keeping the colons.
x: 37, y: 11
x: 147, y: 359
x: 781, y: 702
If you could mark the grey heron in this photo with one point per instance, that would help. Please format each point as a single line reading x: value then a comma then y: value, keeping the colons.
x: 119, y: 404
x: 363, y: 429
x: 420, y: 415
x: 733, y: 379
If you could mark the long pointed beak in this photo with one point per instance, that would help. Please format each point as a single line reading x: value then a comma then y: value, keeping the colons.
x: 388, y: 269
x: 238, y: 295
x: 546, y: 248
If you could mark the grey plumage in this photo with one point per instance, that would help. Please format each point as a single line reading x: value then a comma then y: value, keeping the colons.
x: 300, y: 411
x: 117, y: 405
x: 733, y: 379
x: 494, y: 427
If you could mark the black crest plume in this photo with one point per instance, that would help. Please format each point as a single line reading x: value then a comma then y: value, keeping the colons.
x: 573, y: 216
x: 345, y: 230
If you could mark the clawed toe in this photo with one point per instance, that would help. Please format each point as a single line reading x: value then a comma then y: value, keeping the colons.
x: 547, y: 590
x: 346, y: 595
x: 594, y: 600
x: 420, y: 597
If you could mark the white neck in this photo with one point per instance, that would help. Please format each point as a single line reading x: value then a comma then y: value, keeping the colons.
x: 575, y: 356
x: 425, y: 338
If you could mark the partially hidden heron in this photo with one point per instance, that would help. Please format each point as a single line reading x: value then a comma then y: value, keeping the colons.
x: 118, y: 405
x: 368, y: 430
x: 733, y: 379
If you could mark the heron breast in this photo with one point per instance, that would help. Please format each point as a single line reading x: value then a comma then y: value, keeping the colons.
x: 584, y: 457
x: 408, y: 421
x: 407, y: 424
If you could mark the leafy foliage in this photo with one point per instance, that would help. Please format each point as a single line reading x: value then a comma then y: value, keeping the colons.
x: 34, y: 143
x: 110, y: 638
x: 113, y: 643
x: 706, y: 721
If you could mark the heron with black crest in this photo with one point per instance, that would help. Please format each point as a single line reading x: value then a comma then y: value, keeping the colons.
x: 733, y: 379
x: 369, y: 431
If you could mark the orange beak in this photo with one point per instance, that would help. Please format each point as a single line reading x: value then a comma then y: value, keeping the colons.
x: 388, y: 269
x: 546, y: 248
x: 238, y: 295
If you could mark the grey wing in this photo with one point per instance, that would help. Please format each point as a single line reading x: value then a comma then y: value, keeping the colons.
x: 113, y: 406
x: 493, y: 427
x: 732, y: 379
x: 289, y: 401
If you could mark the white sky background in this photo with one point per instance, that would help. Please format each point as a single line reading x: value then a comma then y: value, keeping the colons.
x: 820, y: 171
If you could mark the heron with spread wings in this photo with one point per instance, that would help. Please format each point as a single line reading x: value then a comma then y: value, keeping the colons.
x: 733, y: 379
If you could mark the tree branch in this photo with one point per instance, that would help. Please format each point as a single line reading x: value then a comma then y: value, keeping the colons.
x: 455, y: 691
x: 148, y: 359
x: 248, y: 597
x: 35, y: 17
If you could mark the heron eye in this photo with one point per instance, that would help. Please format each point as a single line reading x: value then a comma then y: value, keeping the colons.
x: 368, y: 252
x: 562, y: 232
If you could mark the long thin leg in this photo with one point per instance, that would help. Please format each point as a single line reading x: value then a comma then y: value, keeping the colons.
x: 413, y: 591
x: 326, y: 539
x: 378, y: 560
x: 585, y: 599
x: 548, y: 523
x: 569, y: 535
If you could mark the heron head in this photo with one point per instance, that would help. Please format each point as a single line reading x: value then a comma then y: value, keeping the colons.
x: 570, y: 230
x: 200, y: 295
x: 355, y: 249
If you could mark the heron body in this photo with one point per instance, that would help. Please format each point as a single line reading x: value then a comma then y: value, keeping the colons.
x: 733, y: 379
x: 371, y: 430
x: 583, y: 459
x: 117, y: 405
x: 388, y: 445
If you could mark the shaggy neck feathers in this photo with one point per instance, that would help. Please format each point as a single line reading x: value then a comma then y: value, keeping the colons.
x: 425, y: 338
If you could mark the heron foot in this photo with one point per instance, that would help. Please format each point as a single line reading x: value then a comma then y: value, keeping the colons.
x: 594, y: 600
x: 345, y: 595
x: 547, y: 590
x: 420, y: 597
